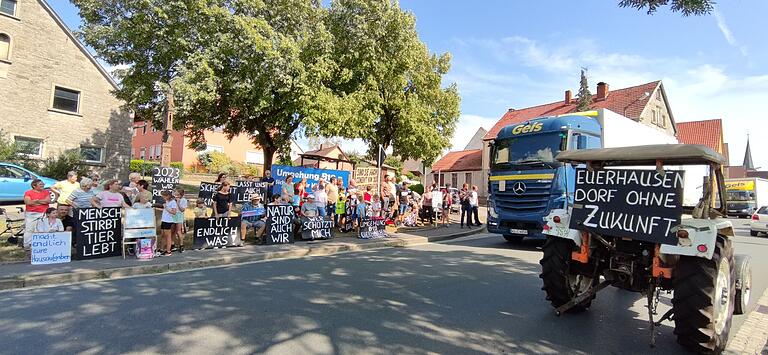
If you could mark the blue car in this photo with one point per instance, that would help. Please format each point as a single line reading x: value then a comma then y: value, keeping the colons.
x: 15, y: 180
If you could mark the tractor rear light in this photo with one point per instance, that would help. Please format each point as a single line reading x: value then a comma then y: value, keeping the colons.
x: 682, y: 234
x: 556, y: 219
x: 702, y: 248
x: 755, y: 217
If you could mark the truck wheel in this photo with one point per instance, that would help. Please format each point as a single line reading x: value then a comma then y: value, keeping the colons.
x: 513, y: 238
x: 703, y: 301
x: 559, y: 283
x: 753, y: 233
x: 743, y: 266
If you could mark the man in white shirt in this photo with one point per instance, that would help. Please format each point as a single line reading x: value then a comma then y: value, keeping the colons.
x: 474, y: 205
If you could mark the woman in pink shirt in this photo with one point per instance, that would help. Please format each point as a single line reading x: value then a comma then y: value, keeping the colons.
x: 110, y: 197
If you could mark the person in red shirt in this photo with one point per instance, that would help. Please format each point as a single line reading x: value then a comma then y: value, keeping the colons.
x: 36, y: 200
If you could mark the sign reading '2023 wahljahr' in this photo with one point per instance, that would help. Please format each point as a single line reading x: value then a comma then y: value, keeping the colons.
x: 641, y: 204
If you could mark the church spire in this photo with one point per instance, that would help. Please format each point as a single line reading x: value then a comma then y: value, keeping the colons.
x: 748, y: 158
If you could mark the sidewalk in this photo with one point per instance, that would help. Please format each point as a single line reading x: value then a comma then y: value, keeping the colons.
x: 21, y: 275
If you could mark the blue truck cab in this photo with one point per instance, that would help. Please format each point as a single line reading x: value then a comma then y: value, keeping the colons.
x: 525, y: 180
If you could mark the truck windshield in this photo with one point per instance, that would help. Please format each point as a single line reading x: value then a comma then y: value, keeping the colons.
x: 737, y: 195
x: 527, y: 150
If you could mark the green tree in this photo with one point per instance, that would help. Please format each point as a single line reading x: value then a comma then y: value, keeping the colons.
x: 259, y: 71
x: 584, y: 96
x: 389, y: 82
x: 685, y: 7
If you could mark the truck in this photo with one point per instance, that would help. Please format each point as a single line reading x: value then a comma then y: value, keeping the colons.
x: 526, y: 182
x: 746, y: 196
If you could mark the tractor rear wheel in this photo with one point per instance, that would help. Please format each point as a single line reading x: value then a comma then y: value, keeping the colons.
x: 703, y: 301
x: 560, y: 284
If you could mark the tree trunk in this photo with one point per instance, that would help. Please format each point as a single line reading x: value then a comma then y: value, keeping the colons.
x: 269, y: 154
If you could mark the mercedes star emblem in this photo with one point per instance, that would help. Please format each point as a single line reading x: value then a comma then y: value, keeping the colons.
x: 518, y: 188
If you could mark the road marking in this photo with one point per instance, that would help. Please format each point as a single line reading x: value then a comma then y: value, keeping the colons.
x: 753, y: 334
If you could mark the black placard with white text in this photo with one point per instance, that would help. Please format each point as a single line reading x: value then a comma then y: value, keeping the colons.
x: 207, y: 191
x: 98, y: 232
x: 313, y: 228
x: 163, y: 179
x: 372, y: 227
x: 640, y: 204
x: 217, y: 232
x: 244, y: 189
x: 279, y: 226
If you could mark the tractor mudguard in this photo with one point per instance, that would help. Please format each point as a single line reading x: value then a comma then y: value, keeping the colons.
x: 702, y: 236
x: 560, y: 229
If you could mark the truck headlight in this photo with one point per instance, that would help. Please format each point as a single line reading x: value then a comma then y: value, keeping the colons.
x: 492, y: 210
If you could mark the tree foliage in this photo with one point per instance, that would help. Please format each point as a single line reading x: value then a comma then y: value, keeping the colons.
x: 685, y: 7
x: 389, y: 81
x: 584, y: 96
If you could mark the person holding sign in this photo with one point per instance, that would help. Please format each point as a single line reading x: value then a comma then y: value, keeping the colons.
x: 110, y: 197
x: 167, y: 222
x: 222, y: 203
x: 50, y: 223
x: 252, y: 216
x: 36, y: 201
x: 309, y: 208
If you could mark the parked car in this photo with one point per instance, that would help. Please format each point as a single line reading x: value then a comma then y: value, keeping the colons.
x: 759, y: 223
x: 15, y: 180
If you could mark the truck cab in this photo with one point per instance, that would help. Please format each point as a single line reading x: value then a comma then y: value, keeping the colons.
x: 525, y: 181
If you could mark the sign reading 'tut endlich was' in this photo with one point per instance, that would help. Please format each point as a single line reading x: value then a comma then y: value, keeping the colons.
x: 640, y: 204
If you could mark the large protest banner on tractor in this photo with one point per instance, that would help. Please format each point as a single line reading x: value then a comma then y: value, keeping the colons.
x: 640, y: 204
x: 163, y: 179
x: 215, y: 232
x: 279, y: 172
x: 279, y: 227
x: 98, y: 232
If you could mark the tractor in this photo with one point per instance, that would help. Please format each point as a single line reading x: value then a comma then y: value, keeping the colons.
x: 625, y: 226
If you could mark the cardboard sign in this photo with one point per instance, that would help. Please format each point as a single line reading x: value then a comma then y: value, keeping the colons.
x: 640, y: 204
x: 145, y: 249
x: 51, y: 248
x: 372, y: 227
x: 313, y: 228
x: 244, y: 189
x: 349, y: 222
x: 366, y: 177
x: 217, y: 232
x: 163, y: 179
x: 98, y: 232
x: 280, y: 172
x: 279, y: 228
x: 139, y: 218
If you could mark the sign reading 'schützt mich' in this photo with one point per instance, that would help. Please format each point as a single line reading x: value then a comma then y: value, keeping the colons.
x: 640, y: 204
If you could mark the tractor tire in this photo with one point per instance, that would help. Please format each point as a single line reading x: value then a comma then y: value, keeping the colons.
x: 743, y: 266
x: 701, y: 286
x: 753, y: 233
x: 514, y: 238
x: 557, y: 278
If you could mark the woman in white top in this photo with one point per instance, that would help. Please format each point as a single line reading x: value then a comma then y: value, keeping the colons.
x: 50, y: 222
x: 170, y: 209
x: 81, y: 198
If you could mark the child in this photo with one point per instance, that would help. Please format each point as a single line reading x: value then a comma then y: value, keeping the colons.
x: 375, y: 206
x: 367, y: 195
x: 50, y: 222
x: 143, y: 201
x: 341, y: 208
x: 200, y: 210
x: 179, y: 220
x: 170, y: 209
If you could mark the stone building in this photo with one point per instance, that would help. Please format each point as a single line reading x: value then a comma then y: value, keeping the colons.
x: 55, y: 95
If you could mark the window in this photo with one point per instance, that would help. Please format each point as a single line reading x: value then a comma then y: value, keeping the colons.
x: 135, y: 131
x: 654, y: 118
x: 66, y: 99
x: 154, y: 129
x: 144, y: 129
x: 7, y: 171
x: 8, y: 7
x: 252, y: 157
x: 658, y: 94
x: 468, y: 178
x: 663, y: 122
x: 5, y: 47
x: 151, y: 151
x: 31, y: 147
x: 142, y: 153
x: 213, y: 148
x: 92, y: 154
x: 454, y: 179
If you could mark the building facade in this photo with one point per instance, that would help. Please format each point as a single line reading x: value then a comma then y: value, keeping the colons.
x: 56, y: 96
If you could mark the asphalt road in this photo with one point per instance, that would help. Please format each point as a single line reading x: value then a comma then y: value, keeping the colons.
x: 473, y: 295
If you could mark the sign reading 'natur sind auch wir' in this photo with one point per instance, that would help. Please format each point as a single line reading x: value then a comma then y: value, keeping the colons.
x: 640, y: 204
x: 279, y: 226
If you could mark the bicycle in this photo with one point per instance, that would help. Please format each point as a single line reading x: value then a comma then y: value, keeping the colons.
x: 14, y: 227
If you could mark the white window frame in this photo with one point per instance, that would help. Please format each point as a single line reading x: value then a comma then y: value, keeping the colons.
x: 101, y: 158
x: 142, y: 153
x: 79, y: 100
x: 41, y: 145
x: 7, y: 58
x: 255, y: 152
x: 15, y: 13
x: 212, y: 148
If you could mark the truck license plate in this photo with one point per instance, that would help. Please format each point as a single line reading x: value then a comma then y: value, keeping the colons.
x: 518, y: 231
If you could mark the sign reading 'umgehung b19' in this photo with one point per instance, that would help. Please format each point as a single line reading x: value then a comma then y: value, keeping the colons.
x: 640, y: 204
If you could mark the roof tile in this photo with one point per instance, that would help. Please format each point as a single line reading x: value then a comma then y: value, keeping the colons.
x: 708, y: 133
x: 464, y: 160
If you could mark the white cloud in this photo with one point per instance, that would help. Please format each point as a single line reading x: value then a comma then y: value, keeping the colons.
x: 726, y: 31
x: 466, y: 128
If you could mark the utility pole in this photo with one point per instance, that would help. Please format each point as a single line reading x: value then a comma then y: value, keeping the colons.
x: 165, y: 155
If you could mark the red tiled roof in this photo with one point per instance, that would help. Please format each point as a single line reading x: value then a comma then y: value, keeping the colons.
x: 464, y: 160
x: 628, y: 102
x: 708, y: 133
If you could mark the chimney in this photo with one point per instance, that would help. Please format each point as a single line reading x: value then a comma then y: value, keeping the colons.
x: 602, y: 90
x: 568, y: 96
x: 511, y: 109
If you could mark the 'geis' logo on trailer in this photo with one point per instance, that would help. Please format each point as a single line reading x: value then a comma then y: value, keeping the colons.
x: 528, y: 128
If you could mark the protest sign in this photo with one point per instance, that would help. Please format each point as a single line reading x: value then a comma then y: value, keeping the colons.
x: 163, y: 179
x: 279, y: 172
x: 217, y: 232
x: 145, y: 248
x: 207, y: 190
x: 313, y: 228
x: 139, y: 218
x: 244, y: 189
x: 349, y: 222
x: 98, y: 232
x: 51, y: 248
x: 372, y: 227
x: 279, y: 228
x: 366, y: 177
x: 641, y: 204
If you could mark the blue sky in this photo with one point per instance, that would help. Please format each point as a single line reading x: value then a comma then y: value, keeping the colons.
x: 523, y: 53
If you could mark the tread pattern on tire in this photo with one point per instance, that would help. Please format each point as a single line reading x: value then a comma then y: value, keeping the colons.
x: 694, y: 287
x: 555, y: 264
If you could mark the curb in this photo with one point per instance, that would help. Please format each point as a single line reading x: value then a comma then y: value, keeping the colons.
x: 753, y: 333
x: 398, y: 240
